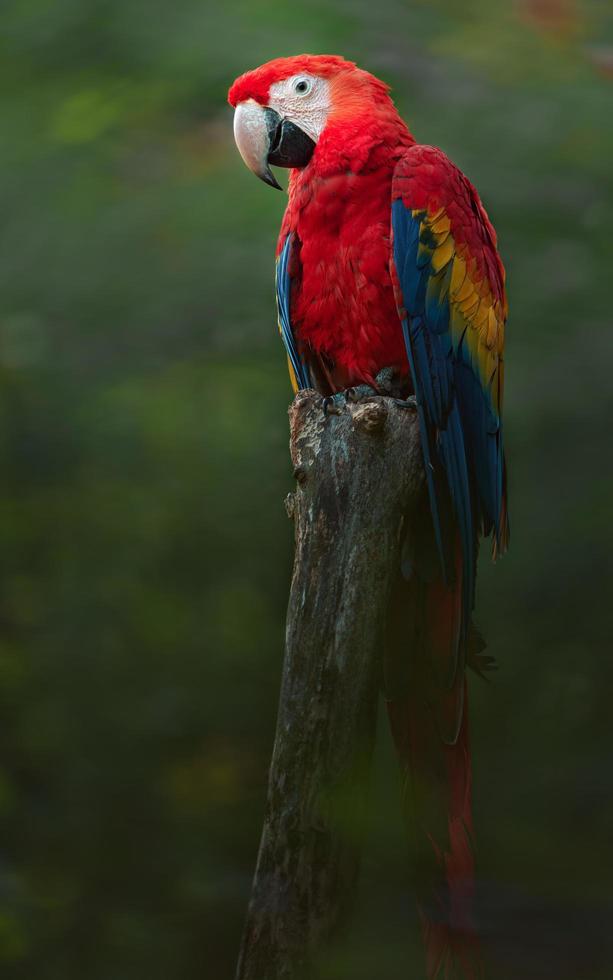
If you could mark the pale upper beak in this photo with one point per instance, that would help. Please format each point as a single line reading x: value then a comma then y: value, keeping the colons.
x: 263, y: 137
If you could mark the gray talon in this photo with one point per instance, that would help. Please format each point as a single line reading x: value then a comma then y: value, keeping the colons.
x: 359, y: 393
x: 333, y: 404
x: 385, y: 379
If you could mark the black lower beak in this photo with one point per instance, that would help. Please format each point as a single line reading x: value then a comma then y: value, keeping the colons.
x: 289, y: 145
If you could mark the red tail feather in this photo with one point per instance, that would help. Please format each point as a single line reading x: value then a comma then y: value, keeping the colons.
x: 430, y: 729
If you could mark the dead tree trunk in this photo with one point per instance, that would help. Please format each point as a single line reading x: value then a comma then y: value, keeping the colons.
x: 359, y: 474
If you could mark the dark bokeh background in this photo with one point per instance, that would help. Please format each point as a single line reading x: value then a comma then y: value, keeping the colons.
x: 144, y: 549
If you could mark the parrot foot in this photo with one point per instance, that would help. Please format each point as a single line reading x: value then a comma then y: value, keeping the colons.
x: 482, y: 665
x: 386, y: 384
x: 359, y: 393
x: 477, y: 660
x: 385, y: 380
x: 410, y: 402
x: 389, y: 382
x: 334, y: 404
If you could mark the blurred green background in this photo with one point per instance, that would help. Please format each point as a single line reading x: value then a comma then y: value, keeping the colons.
x: 144, y: 548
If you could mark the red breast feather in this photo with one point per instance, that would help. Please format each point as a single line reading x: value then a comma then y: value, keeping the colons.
x: 339, y: 209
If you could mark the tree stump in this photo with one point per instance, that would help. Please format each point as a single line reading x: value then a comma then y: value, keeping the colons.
x: 359, y: 475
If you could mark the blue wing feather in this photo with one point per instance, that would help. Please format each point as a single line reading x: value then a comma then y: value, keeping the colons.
x: 435, y: 369
x: 283, y: 283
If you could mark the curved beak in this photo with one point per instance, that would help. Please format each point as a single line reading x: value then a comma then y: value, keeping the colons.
x: 263, y: 137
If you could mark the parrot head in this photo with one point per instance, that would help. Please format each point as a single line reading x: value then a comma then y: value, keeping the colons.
x: 283, y: 107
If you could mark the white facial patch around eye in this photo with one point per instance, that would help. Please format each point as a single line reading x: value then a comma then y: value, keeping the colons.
x: 308, y: 110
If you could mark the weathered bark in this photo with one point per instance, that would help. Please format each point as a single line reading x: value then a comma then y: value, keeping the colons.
x: 359, y: 474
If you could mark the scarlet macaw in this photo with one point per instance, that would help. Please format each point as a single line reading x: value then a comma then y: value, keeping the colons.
x: 387, y: 260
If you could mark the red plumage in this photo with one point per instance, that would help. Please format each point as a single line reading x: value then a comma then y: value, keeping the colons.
x: 256, y: 84
x: 345, y: 318
x: 339, y: 210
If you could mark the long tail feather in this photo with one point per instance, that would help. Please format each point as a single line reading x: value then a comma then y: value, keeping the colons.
x: 428, y: 717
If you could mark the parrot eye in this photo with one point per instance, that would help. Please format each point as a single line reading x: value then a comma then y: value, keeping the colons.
x: 302, y: 86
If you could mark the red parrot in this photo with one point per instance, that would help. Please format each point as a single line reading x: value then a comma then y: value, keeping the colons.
x: 389, y: 279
